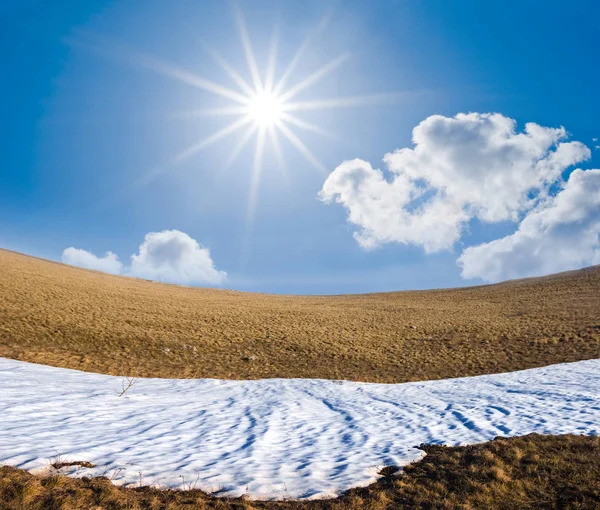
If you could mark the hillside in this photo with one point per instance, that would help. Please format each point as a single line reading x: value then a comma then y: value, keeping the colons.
x: 74, y: 318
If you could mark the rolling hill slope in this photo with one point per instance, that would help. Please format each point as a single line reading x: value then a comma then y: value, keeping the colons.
x: 74, y: 318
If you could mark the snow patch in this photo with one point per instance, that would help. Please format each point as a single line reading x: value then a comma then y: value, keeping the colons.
x: 273, y: 438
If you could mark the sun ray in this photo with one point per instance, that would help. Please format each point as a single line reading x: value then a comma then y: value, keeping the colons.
x: 242, y: 142
x: 215, y: 137
x: 190, y: 151
x: 171, y: 71
x: 255, y: 178
x: 343, y: 102
x: 299, y: 52
x: 308, y: 126
x: 211, y: 112
x: 251, y: 61
x: 233, y: 74
x: 303, y: 149
x: 271, y: 60
x: 315, y: 77
x: 121, y: 52
x: 278, y: 153
x: 196, y: 81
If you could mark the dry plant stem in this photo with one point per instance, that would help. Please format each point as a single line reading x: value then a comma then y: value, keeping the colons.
x: 126, y: 385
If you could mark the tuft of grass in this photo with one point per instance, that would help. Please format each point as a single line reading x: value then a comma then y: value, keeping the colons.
x: 534, y: 472
x: 69, y: 317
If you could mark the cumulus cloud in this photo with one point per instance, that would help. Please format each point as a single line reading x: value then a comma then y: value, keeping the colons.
x: 107, y: 264
x: 174, y: 257
x: 471, y: 166
x: 169, y: 256
x: 382, y: 209
x: 562, y: 233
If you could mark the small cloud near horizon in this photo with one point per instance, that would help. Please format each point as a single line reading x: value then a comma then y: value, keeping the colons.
x: 170, y: 256
x: 108, y: 264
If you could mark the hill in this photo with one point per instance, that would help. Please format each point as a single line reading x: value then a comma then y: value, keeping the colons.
x: 74, y: 318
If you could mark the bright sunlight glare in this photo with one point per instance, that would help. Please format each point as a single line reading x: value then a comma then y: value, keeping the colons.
x: 266, y: 109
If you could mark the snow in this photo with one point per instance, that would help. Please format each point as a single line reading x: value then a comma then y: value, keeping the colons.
x: 275, y: 438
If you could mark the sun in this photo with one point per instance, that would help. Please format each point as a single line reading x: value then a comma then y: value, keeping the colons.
x: 263, y: 108
x: 266, y: 109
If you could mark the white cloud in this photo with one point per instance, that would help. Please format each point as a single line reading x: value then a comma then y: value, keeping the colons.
x: 478, y: 166
x: 107, y: 264
x: 174, y: 257
x: 562, y: 233
x: 169, y: 256
x: 469, y: 166
x: 381, y: 208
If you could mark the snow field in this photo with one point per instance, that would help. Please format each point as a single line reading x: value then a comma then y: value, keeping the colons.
x: 277, y: 438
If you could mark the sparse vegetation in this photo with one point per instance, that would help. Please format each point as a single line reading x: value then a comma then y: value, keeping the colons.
x: 70, y: 317
x: 535, y: 471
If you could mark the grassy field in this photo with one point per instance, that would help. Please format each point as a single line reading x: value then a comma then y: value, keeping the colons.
x: 70, y: 317
x: 533, y: 471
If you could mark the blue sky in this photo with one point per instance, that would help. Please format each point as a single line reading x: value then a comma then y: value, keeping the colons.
x: 87, y: 119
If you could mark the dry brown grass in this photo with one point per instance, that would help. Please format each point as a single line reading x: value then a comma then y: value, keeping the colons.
x: 70, y: 317
x: 542, y: 472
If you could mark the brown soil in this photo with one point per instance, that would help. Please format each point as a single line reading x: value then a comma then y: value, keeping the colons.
x: 69, y: 317
x: 536, y: 472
